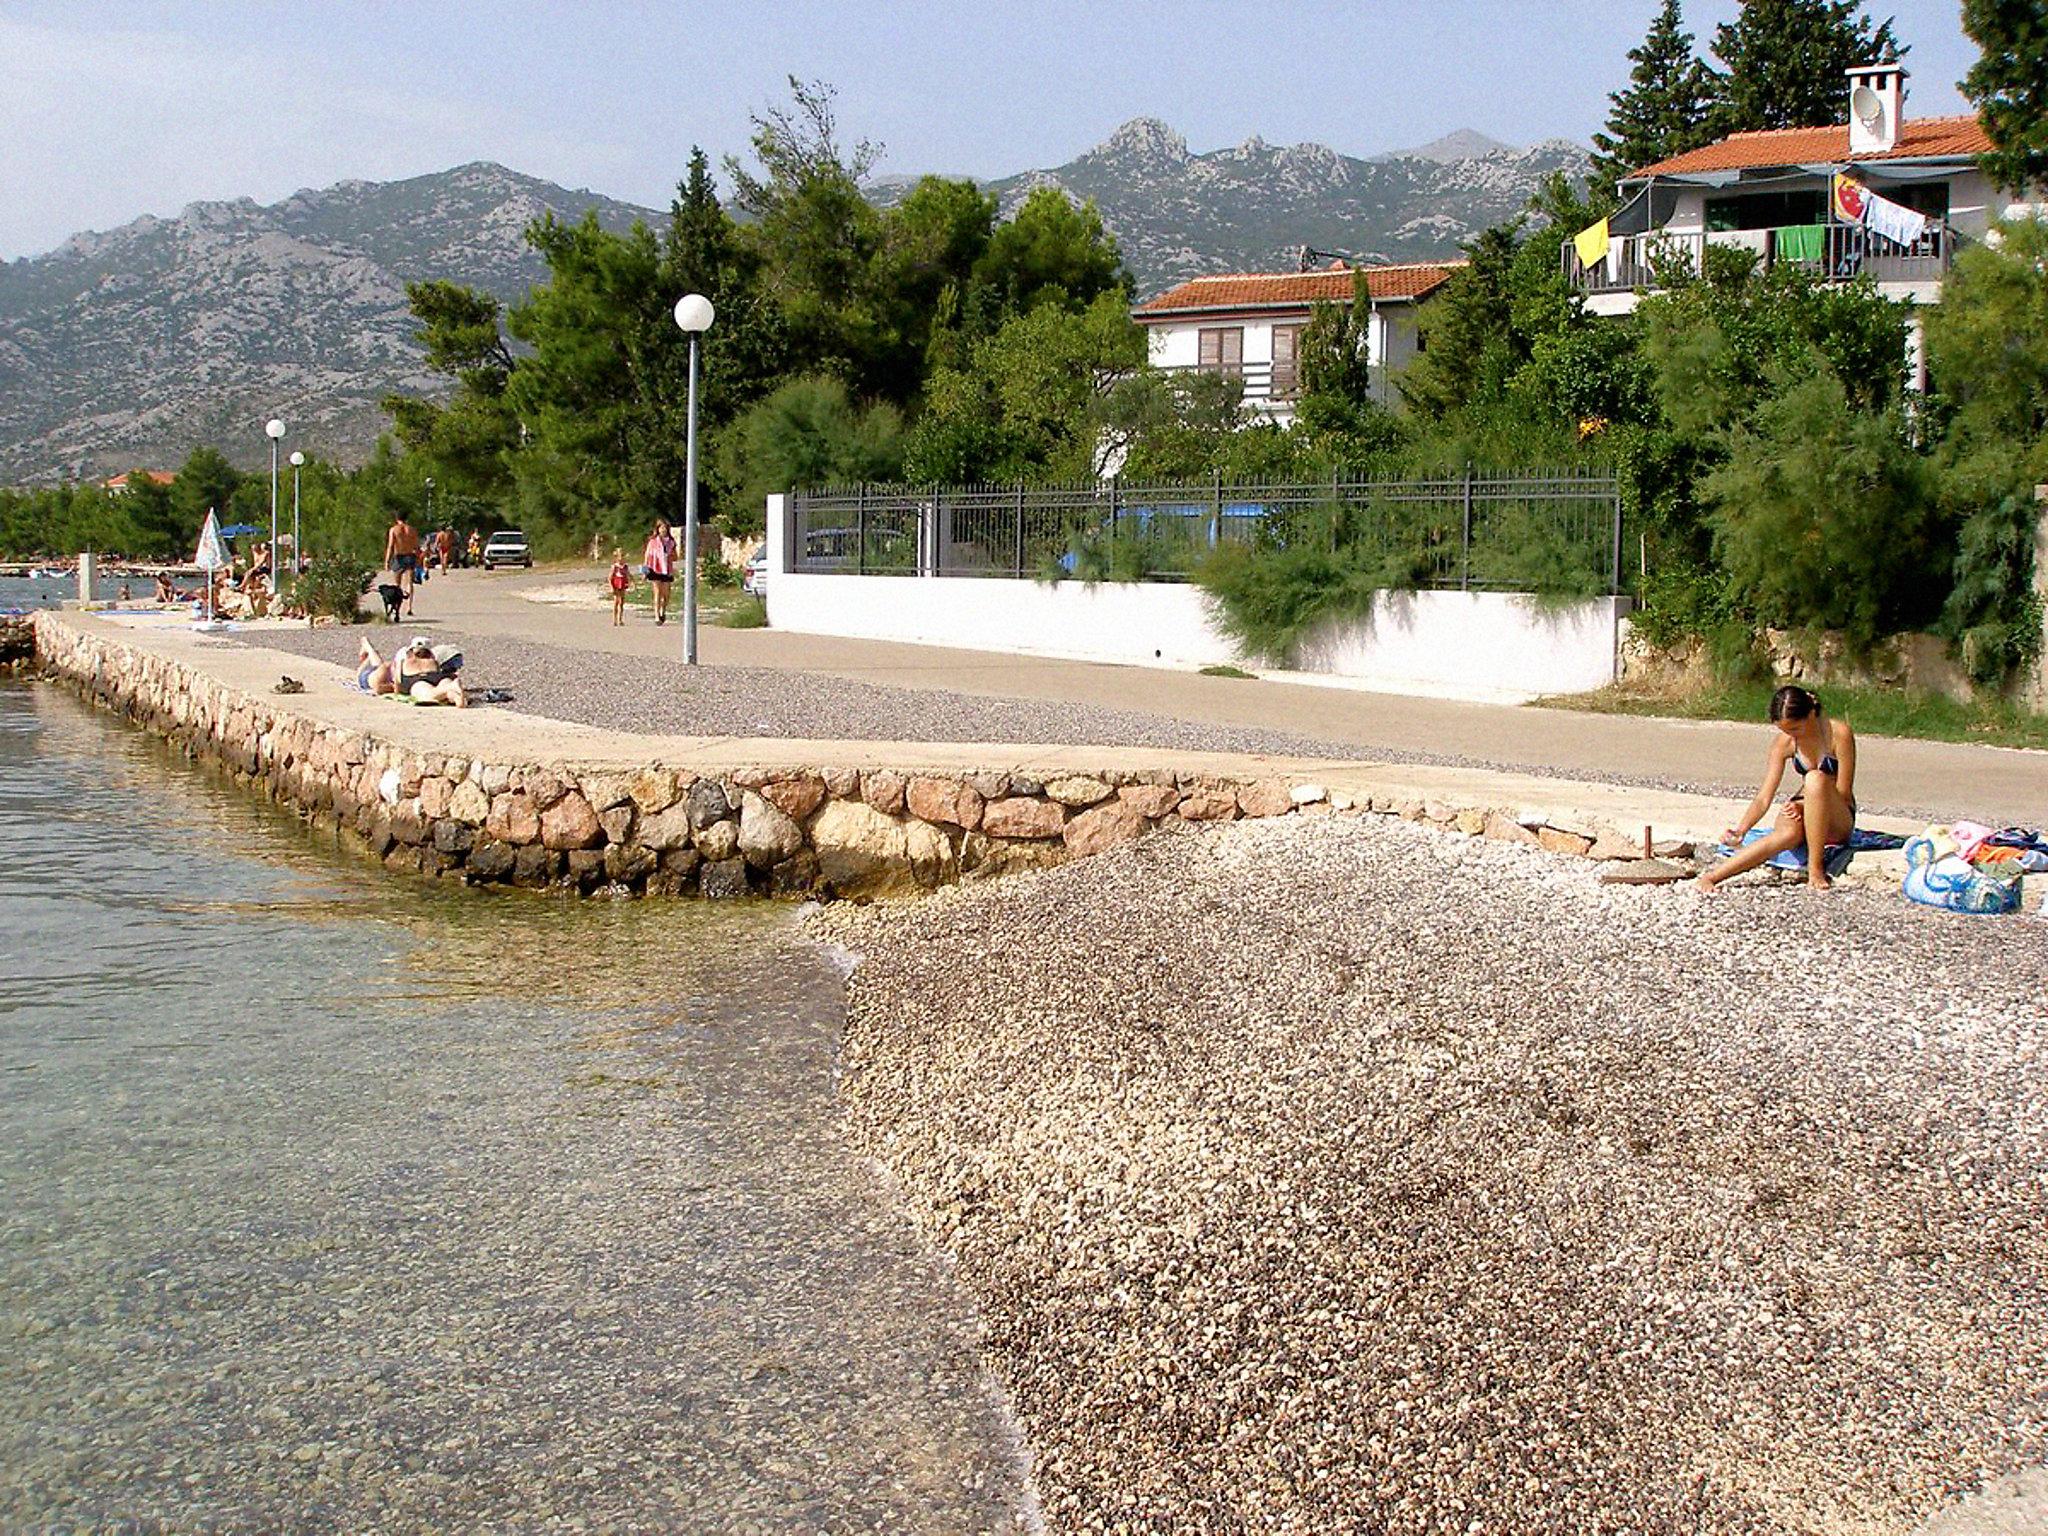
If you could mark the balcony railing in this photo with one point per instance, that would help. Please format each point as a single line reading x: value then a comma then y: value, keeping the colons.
x: 1832, y: 252
x: 1270, y: 385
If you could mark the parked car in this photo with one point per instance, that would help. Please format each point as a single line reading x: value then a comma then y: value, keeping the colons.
x: 507, y: 547
x: 754, y: 574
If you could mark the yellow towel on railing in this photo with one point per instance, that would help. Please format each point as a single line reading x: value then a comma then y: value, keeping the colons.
x: 1591, y: 244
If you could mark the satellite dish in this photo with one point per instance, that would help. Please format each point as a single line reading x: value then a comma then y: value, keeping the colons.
x: 1868, y: 107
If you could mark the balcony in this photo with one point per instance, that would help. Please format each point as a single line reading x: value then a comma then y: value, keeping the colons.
x: 1831, y: 252
x: 1273, y: 387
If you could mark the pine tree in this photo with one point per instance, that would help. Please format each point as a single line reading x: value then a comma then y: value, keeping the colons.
x: 2009, y: 87
x: 1663, y: 110
x: 1788, y: 62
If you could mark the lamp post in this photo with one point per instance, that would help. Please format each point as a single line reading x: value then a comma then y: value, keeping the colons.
x: 273, y: 429
x: 298, y: 549
x: 693, y: 315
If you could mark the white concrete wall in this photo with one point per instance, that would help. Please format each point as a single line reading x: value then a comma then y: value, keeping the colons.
x: 1461, y: 644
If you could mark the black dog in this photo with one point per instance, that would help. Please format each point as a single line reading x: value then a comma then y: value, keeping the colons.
x: 392, y: 596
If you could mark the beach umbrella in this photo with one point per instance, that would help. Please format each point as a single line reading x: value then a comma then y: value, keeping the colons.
x: 210, y: 557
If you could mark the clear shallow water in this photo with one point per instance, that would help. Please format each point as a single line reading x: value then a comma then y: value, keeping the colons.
x: 329, y: 1201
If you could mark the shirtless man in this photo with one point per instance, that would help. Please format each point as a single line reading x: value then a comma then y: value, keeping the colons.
x: 402, y: 554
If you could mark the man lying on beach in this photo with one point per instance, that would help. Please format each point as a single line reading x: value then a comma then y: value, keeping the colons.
x: 413, y: 672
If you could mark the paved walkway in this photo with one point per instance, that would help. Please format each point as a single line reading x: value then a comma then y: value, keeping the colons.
x: 1922, y: 778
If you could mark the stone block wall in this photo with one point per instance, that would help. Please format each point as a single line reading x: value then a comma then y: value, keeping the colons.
x: 782, y: 830
x: 17, y: 639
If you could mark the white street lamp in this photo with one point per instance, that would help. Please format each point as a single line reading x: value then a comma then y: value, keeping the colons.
x: 273, y: 429
x: 298, y: 550
x: 693, y: 315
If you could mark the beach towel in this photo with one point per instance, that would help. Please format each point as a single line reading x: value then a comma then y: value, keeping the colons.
x: 1836, y: 858
x: 1802, y: 242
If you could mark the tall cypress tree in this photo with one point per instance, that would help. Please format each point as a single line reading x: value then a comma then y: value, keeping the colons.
x: 1788, y: 62
x: 2009, y: 86
x: 1664, y: 108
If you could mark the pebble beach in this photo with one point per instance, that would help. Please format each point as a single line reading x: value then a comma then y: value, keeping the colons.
x: 1344, y: 1174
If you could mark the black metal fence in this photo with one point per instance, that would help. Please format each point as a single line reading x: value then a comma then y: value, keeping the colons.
x: 1482, y: 531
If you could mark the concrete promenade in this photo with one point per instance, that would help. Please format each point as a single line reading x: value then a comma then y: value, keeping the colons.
x: 1926, y: 780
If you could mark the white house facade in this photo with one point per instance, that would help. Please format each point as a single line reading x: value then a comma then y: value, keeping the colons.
x: 1249, y: 325
x: 1793, y: 195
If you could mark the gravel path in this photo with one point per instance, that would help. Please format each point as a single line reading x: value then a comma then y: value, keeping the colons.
x: 640, y: 694
x: 1350, y: 1175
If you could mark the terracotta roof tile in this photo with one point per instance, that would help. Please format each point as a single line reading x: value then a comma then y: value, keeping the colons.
x: 1297, y: 290
x: 1961, y: 137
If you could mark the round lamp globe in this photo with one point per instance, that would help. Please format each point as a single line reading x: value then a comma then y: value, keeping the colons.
x: 694, y: 312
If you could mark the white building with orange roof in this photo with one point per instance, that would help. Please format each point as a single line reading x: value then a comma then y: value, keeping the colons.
x: 1249, y: 325
x: 1882, y: 195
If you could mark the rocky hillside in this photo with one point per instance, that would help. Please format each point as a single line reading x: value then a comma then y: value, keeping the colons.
x: 131, y: 347
x: 1251, y: 208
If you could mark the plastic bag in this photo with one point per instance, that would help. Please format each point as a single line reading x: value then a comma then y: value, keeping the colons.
x: 1936, y: 877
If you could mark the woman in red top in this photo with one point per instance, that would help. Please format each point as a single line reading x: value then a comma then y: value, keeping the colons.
x: 660, y: 559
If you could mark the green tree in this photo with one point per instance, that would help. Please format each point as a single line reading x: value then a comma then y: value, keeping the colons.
x: 466, y: 442
x: 1469, y: 345
x: 2008, y: 85
x: 589, y: 396
x: 1987, y: 343
x: 1053, y: 251
x: 819, y: 239
x: 807, y: 434
x: 1031, y: 399
x: 1788, y: 61
x: 1824, y: 517
x: 206, y: 482
x: 1665, y: 108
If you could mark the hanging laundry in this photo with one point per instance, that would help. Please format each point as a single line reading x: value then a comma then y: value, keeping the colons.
x: 1895, y: 221
x: 1802, y: 242
x: 1755, y: 241
x: 1848, y: 199
x: 1591, y: 244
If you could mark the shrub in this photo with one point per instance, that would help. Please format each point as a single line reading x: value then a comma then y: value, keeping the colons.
x: 332, y: 587
x: 1824, y: 517
x: 747, y: 613
x: 1992, y: 615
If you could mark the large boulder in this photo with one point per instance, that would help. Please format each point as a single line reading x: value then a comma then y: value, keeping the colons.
x: 1104, y: 826
x: 708, y: 804
x: 797, y: 797
x: 882, y: 789
x: 767, y: 834
x: 861, y: 852
x: 513, y: 819
x: 1023, y: 816
x: 667, y: 829
x: 1076, y: 791
x: 570, y: 823
x: 469, y: 804
x: 944, y: 800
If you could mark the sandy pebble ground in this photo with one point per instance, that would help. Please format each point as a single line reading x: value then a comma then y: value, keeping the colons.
x: 1347, y: 1175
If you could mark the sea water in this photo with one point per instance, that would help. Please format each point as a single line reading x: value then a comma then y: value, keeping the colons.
x: 334, y: 1201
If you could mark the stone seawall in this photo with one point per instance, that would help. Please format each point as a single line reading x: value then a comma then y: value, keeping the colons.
x: 789, y: 829
x: 784, y: 830
x: 17, y: 640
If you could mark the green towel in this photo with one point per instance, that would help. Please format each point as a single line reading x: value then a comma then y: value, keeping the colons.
x: 1802, y: 242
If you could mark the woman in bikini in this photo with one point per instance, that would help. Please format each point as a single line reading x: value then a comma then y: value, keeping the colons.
x: 1822, y: 813
x: 413, y: 671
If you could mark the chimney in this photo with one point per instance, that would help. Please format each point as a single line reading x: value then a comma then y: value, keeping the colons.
x: 1877, y: 107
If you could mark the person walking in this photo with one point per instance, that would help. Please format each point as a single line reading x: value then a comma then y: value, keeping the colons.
x: 621, y: 578
x: 402, y: 555
x: 659, y: 558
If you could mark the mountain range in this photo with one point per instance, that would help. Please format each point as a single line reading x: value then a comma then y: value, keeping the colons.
x: 130, y: 347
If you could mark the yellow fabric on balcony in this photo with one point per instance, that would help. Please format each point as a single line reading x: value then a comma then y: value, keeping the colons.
x: 1591, y: 244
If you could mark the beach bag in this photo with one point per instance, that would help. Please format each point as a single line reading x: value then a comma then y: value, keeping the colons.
x: 1935, y: 878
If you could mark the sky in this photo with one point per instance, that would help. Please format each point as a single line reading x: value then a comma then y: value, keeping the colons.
x: 112, y: 110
